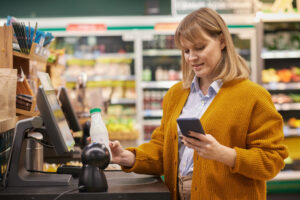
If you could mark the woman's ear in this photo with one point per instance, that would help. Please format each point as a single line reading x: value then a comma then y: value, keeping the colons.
x: 222, y: 41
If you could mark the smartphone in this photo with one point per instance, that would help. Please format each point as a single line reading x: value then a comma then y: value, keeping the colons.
x: 190, y: 124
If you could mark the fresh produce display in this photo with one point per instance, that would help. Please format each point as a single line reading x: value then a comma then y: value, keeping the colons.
x: 294, y: 123
x: 122, y: 128
x: 269, y: 75
x: 285, y: 75
x: 295, y: 97
x: 285, y: 98
x: 282, y: 75
x: 295, y: 74
x: 281, y: 98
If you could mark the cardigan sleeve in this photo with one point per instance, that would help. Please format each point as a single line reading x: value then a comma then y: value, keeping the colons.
x: 264, y: 155
x: 149, y: 156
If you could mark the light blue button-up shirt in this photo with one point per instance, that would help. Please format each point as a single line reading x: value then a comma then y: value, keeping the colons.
x: 195, y: 106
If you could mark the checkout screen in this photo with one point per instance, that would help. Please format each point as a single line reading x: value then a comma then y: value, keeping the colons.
x: 60, y: 119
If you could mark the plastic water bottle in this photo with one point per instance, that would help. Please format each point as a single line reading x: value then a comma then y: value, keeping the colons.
x: 98, y: 130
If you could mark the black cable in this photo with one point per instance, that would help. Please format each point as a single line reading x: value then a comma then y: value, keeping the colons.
x: 42, y: 142
x: 65, y: 192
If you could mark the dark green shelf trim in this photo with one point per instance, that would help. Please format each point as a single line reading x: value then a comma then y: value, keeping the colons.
x: 281, y: 187
x: 114, y: 28
x: 240, y: 26
x: 52, y: 29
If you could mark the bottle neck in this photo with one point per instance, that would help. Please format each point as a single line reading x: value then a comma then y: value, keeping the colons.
x: 96, y: 116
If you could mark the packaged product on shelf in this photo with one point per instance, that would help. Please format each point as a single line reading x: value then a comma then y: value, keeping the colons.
x: 173, y: 74
x: 159, y: 73
x: 130, y: 93
x: 147, y: 100
x: 147, y: 74
x: 118, y: 92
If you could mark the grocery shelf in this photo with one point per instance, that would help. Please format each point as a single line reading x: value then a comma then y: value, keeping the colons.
x: 158, y: 84
x: 70, y: 78
x: 151, y: 122
x: 287, y: 175
x: 292, y: 132
x: 162, y: 52
x: 280, y: 54
x: 287, y: 106
x: 282, y: 86
x: 278, y: 17
x: 116, y: 78
x: 101, y: 56
x: 123, y: 101
x: 116, y: 55
x: 153, y: 113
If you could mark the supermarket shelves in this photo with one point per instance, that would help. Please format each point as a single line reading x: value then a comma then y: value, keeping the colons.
x: 115, y: 78
x: 123, y: 101
x: 116, y: 55
x: 162, y: 52
x: 278, y: 17
x: 287, y: 175
x: 289, y: 132
x: 287, y: 106
x: 89, y: 56
x: 103, y: 78
x: 151, y: 122
x: 158, y: 84
x: 282, y: 86
x: 281, y: 54
x: 153, y: 113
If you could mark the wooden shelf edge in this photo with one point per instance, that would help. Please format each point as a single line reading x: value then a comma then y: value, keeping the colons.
x: 31, y: 56
x: 7, y: 124
x: 27, y: 113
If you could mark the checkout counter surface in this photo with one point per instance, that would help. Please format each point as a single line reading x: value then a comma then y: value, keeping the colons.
x: 121, y: 185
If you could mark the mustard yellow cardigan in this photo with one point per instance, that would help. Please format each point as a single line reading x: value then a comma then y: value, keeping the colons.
x: 242, y: 116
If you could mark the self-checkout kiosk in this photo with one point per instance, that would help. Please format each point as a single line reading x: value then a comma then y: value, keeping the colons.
x: 53, y: 125
x: 93, y: 182
x: 50, y: 122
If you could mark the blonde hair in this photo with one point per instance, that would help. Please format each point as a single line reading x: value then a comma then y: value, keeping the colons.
x: 231, y: 66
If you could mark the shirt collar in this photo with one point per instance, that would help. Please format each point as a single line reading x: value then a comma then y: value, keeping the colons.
x: 214, y: 87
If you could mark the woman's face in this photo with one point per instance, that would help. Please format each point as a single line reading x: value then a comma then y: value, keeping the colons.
x: 204, y: 56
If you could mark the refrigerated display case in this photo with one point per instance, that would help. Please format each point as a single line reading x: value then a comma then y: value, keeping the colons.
x: 279, y: 61
x: 160, y: 70
x: 280, y: 56
x: 100, y: 72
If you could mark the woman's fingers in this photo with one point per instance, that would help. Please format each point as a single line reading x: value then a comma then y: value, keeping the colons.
x: 200, y: 136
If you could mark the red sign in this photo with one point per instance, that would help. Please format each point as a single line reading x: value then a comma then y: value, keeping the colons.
x: 86, y: 27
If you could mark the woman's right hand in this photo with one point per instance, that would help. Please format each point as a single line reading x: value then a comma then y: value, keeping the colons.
x: 120, y: 155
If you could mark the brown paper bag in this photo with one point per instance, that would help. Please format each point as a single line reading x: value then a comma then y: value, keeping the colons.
x: 8, y: 84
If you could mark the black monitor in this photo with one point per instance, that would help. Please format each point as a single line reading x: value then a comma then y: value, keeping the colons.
x: 55, y: 122
x: 68, y: 109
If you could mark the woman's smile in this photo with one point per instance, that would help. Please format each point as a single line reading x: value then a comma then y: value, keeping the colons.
x: 197, y: 66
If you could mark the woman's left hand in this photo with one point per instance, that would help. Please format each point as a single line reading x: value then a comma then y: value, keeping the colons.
x: 208, y: 147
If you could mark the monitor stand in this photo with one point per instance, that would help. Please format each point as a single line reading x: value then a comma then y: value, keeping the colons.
x: 17, y: 175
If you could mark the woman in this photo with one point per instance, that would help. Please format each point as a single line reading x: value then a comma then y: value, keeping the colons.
x: 241, y: 148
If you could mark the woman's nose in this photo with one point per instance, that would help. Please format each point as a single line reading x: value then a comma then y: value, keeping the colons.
x: 193, y: 55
